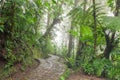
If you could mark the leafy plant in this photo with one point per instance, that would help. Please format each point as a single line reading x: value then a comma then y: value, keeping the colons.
x: 71, y: 61
x: 99, y: 66
x: 113, y: 73
x: 65, y: 75
x: 111, y: 4
x: 88, y: 68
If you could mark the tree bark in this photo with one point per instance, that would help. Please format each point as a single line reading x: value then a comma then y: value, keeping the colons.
x: 109, y: 44
x: 47, y: 33
x: 110, y: 40
x: 95, y: 27
x: 55, y: 21
x: 71, y: 40
x: 70, y: 44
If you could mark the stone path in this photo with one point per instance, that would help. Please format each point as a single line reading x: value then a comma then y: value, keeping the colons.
x: 49, y: 69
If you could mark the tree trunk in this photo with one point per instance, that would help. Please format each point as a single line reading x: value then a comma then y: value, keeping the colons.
x: 110, y: 40
x: 55, y: 21
x: 47, y: 33
x: 80, y: 45
x: 95, y: 27
x: 70, y: 44
x: 109, y: 45
x: 71, y: 40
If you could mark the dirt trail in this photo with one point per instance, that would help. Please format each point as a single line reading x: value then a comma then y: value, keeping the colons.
x: 49, y: 69
x: 81, y: 76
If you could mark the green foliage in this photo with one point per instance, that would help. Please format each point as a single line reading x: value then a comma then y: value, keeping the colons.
x: 111, y: 4
x: 89, y: 63
x: 96, y: 67
x: 61, y: 51
x: 99, y: 66
x: 85, y: 18
x: 111, y: 23
x: 1, y: 29
x: 71, y: 61
x: 87, y: 34
x: 19, y: 29
x: 88, y: 68
x: 87, y: 54
x: 86, y: 60
x: 6, y: 72
x: 65, y: 75
x: 46, y: 47
x: 20, y: 37
x: 83, y: 22
x: 113, y: 72
x: 115, y: 56
x: 102, y: 67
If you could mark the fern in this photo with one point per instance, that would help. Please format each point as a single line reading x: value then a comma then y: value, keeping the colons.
x: 112, y: 22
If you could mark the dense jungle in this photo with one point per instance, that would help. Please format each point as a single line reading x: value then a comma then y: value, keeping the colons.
x: 59, y: 40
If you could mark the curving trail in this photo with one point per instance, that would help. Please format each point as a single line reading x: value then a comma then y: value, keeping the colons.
x: 49, y: 69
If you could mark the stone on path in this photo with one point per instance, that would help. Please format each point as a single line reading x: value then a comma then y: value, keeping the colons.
x: 49, y: 69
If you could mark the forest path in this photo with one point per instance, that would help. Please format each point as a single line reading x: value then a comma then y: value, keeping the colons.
x: 81, y: 76
x: 49, y: 69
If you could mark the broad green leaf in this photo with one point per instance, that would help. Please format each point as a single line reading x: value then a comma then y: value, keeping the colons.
x: 86, y: 33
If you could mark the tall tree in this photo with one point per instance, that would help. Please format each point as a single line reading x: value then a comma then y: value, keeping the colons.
x: 80, y: 44
x: 71, y: 39
x: 111, y: 42
x: 57, y: 6
x: 95, y: 26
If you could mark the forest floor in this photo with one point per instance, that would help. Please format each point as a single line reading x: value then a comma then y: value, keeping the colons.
x: 81, y: 76
x: 49, y: 69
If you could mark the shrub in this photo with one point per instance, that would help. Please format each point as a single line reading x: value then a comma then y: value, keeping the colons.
x: 71, y: 62
x: 99, y: 66
x: 65, y: 75
x: 88, y: 68
x: 113, y: 73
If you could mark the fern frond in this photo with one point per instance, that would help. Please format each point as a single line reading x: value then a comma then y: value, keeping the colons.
x: 112, y: 23
x: 80, y: 17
